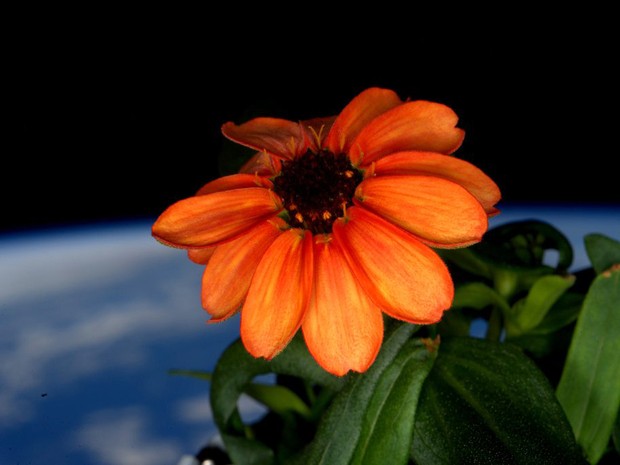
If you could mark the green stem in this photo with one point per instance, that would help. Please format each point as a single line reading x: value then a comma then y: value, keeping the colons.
x: 494, y: 330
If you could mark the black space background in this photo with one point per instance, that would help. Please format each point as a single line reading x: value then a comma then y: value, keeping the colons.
x: 118, y: 119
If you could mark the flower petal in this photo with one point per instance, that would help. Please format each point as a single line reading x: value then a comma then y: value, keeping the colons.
x: 404, y: 277
x: 439, y: 212
x: 279, y: 137
x: 262, y: 164
x: 418, y: 125
x: 358, y: 113
x: 207, y: 220
x: 201, y: 256
x: 453, y: 169
x: 343, y: 328
x: 278, y: 295
x: 234, y: 181
x: 228, y: 274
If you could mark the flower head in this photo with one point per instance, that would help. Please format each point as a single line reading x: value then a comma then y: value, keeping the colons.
x: 333, y: 222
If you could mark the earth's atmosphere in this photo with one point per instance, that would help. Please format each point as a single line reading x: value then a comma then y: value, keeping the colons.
x: 92, y: 319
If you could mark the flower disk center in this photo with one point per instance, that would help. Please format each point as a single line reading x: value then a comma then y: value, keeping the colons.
x: 316, y: 188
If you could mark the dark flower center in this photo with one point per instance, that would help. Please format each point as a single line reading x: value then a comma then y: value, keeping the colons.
x: 316, y: 188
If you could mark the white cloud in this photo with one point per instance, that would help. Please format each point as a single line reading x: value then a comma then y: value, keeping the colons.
x: 87, y: 307
x: 35, y: 266
x: 249, y: 409
x: 122, y: 437
x: 195, y: 410
x: 47, y: 354
x: 198, y: 409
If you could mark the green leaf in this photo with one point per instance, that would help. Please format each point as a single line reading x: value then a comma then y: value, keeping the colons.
x: 278, y: 398
x: 589, y: 389
x: 522, y: 245
x: 552, y: 336
x: 487, y: 403
x: 512, y: 255
x: 478, y: 296
x: 529, y: 312
x: 565, y: 311
x: 232, y: 375
x: 467, y: 260
x: 275, y: 397
x: 370, y: 421
x: 247, y: 452
x: 603, y: 251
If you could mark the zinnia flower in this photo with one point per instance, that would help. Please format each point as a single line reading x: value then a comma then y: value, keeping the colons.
x: 333, y: 222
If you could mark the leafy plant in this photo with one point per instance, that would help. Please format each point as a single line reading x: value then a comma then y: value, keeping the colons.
x: 524, y: 369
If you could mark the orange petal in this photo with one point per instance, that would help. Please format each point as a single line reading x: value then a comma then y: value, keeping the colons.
x: 439, y: 212
x: 227, y: 277
x: 207, y: 220
x: 404, y: 277
x: 317, y: 129
x: 343, y: 328
x: 279, y: 137
x: 201, y: 256
x: 262, y: 164
x: 358, y: 113
x: 234, y: 181
x: 453, y: 169
x: 418, y: 125
x: 278, y: 295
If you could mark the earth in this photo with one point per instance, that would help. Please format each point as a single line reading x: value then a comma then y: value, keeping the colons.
x: 92, y: 318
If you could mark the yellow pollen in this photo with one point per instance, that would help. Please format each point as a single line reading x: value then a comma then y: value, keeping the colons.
x: 349, y: 174
x: 299, y: 217
x: 323, y: 239
x: 326, y: 215
x: 318, y: 136
x: 292, y: 145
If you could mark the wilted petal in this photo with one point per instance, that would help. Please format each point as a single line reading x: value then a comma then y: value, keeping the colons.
x: 262, y: 164
x: 343, y: 328
x: 437, y: 211
x: 279, y: 137
x: 234, y: 181
x: 404, y: 277
x: 227, y: 277
x: 209, y: 219
x: 201, y: 256
x: 418, y: 125
x: 278, y: 295
x: 358, y: 113
x: 453, y: 169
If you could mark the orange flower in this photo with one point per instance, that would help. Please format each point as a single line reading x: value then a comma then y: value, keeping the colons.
x: 331, y: 223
